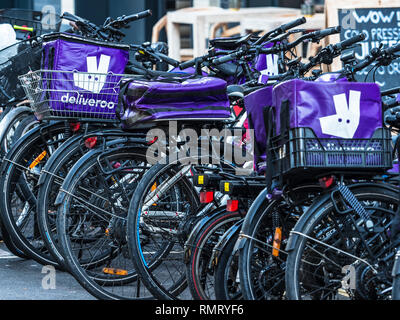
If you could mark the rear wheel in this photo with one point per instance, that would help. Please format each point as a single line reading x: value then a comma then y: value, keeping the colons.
x: 336, y: 257
x: 11, y: 132
x: 25, y: 125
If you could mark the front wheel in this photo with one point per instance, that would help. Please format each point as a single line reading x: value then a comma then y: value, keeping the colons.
x: 164, y: 203
x: 199, y: 270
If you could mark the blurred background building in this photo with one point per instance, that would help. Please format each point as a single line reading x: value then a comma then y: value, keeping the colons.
x: 140, y: 31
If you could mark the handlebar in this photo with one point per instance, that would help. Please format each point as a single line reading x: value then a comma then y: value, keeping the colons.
x: 72, y: 17
x: 137, y: 16
x: 393, y: 49
x: 283, y: 28
x: 155, y: 54
x: 349, y: 42
x: 227, y: 58
x: 312, y: 35
x: 293, y: 24
x: 109, y: 30
x: 167, y: 59
x: 192, y: 62
x: 124, y: 20
x: 327, y: 32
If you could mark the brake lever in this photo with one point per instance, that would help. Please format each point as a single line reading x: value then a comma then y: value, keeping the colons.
x: 286, y: 35
x: 115, y: 31
x: 353, y: 47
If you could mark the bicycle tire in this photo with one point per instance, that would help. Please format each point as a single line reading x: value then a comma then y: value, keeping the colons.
x: 256, y: 263
x: 379, y: 199
x: 176, y: 283
x: 28, y: 123
x: 17, y: 188
x: 396, y: 277
x: 9, y: 124
x: 226, y: 270
x: 90, y: 274
x: 51, y: 179
x: 198, y: 265
x: 49, y: 183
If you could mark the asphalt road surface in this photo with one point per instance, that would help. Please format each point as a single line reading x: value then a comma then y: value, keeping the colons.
x: 22, y: 279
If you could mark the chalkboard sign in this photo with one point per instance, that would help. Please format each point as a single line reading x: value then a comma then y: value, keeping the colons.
x: 381, y: 26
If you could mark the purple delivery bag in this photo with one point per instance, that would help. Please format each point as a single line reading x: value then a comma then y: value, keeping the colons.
x: 331, y: 109
x: 328, y: 125
x: 190, y: 98
x: 255, y: 104
x: 81, y: 77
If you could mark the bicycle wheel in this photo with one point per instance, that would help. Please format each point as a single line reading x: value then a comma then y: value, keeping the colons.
x: 333, y: 255
x: 51, y: 179
x: 160, y: 213
x: 226, y: 265
x: 262, y: 270
x: 199, y: 271
x: 396, y: 277
x: 9, y: 124
x: 91, y: 221
x: 20, y: 173
x: 28, y: 123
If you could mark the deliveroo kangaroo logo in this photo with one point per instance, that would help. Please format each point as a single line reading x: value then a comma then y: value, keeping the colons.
x: 93, y: 80
x: 345, y: 122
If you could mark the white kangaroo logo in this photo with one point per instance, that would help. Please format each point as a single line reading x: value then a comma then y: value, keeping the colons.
x: 345, y: 122
x: 95, y: 79
x: 271, y: 68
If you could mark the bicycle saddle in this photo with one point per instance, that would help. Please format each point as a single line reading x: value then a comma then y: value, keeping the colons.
x: 229, y: 69
x: 232, y: 43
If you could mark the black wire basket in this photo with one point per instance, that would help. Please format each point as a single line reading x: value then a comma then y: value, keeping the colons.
x: 16, y: 60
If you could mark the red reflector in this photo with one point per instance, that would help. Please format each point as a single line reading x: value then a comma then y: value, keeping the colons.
x: 206, y: 196
x: 75, y: 126
x: 326, y: 182
x: 237, y: 109
x: 116, y: 165
x: 90, y: 142
x: 152, y: 141
x: 232, y: 205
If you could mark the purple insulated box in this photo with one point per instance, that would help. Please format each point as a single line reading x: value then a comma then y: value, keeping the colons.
x: 331, y: 109
x: 255, y: 103
x: 324, y: 126
x: 192, y: 98
x: 82, y: 80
